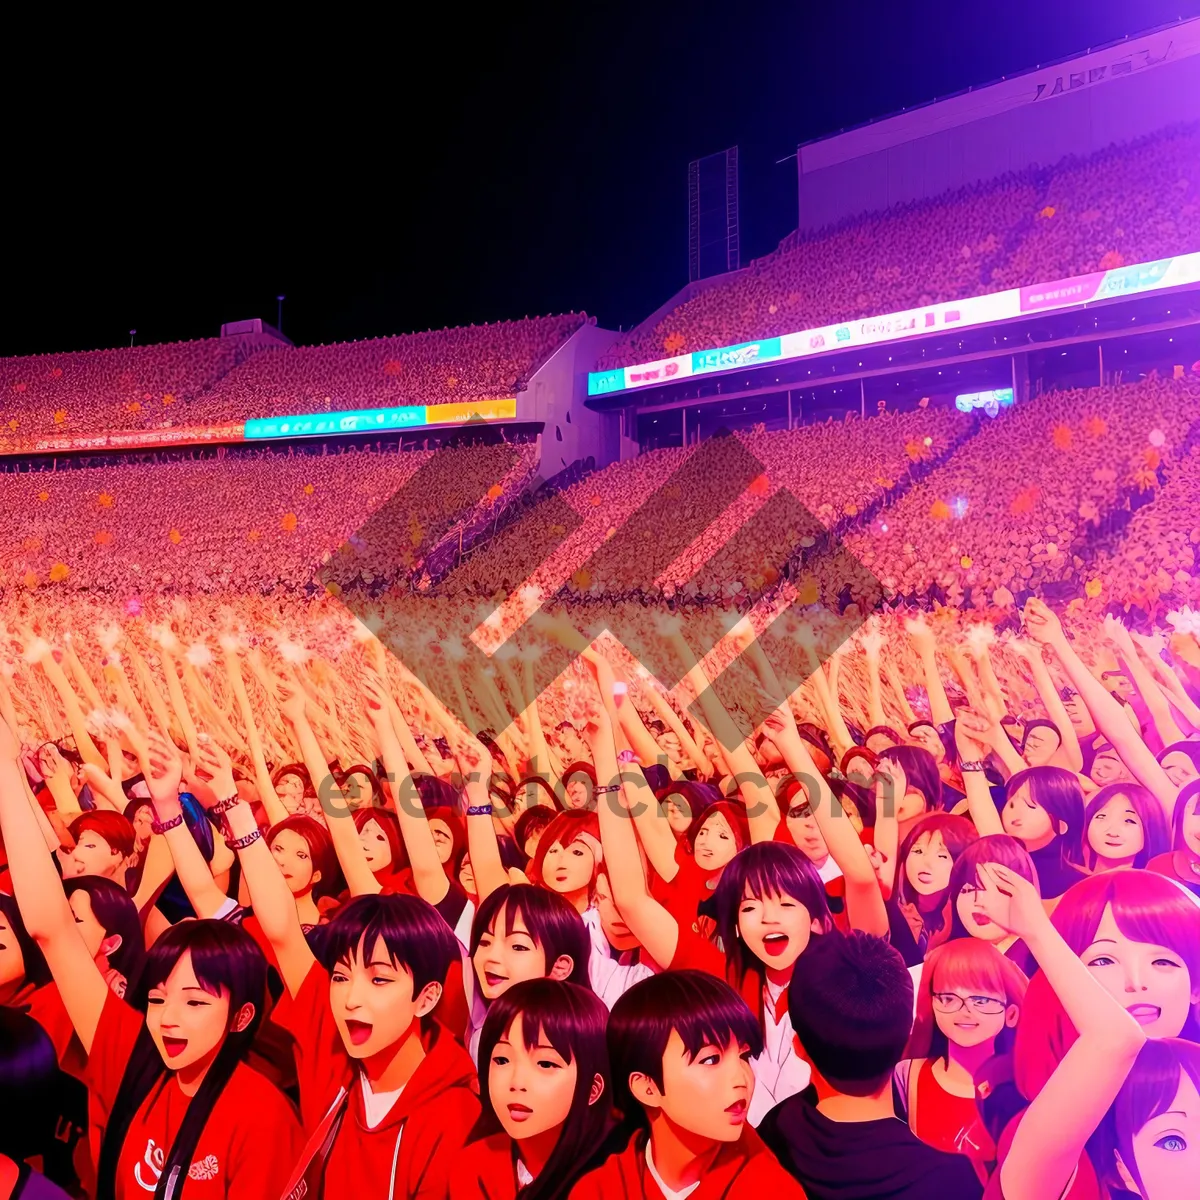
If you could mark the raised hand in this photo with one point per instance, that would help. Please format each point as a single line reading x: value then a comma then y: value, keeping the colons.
x: 972, y: 735
x: 1041, y: 622
x: 290, y: 697
x: 1010, y: 900
x: 163, y: 769
x: 214, y: 767
x: 50, y: 761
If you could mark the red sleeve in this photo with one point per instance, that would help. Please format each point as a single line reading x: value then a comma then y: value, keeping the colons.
x: 322, y: 1065
x: 47, y: 1009
x: 260, y: 1166
x: 112, y: 1049
x: 696, y: 953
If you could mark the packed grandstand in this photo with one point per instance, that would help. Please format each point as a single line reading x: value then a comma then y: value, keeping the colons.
x: 205, y: 616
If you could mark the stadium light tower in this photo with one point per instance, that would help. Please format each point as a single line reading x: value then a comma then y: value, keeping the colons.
x: 132, y: 335
x: 279, y: 312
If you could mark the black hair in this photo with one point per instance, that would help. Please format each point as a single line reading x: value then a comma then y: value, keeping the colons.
x: 573, y: 1020
x: 920, y: 772
x: 46, y: 1104
x: 415, y: 934
x: 114, y: 909
x: 37, y: 971
x: 436, y: 793
x: 851, y: 1004
x: 552, y: 923
x: 532, y: 820
x: 701, y: 1009
x: 227, y: 962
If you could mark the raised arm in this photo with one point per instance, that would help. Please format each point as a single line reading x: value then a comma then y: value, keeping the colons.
x: 1156, y: 702
x: 41, y: 653
x: 762, y: 813
x: 864, y: 899
x: 275, y: 809
x: 43, y: 904
x: 429, y: 877
x: 1052, y: 702
x: 648, y: 920
x: 872, y: 643
x: 163, y: 769
x: 897, y: 685
x: 1043, y: 625
x: 274, y: 905
x: 1054, y: 1131
x: 343, y: 833
x: 925, y: 645
x: 970, y: 736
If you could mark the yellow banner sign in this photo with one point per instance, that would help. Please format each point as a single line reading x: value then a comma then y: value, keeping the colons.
x: 472, y: 410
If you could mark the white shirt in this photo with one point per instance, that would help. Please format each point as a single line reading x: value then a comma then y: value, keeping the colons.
x: 611, y: 977
x: 779, y: 1072
x: 668, y: 1193
x: 377, y: 1105
x: 829, y: 870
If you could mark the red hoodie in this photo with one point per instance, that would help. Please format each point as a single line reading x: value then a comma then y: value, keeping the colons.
x: 742, y: 1170
x: 486, y: 1170
x: 429, y: 1123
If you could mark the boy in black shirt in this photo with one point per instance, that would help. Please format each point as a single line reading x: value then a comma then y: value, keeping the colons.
x: 851, y: 1004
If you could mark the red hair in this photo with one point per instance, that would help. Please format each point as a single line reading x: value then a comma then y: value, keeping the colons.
x: 962, y: 963
x: 388, y: 822
x: 458, y: 839
x: 114, y: 827
x: 563, y: 830
x: 734, y: 814
x: 320, y: 851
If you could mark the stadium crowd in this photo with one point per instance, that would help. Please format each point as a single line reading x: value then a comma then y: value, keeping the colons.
x: 1126, y: 204
x: 799, y: 813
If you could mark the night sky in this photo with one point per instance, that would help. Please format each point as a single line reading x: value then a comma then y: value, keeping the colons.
x: 445, y: 167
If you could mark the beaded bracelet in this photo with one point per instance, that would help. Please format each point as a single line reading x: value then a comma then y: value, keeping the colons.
x: 241, y: 843
x: 604, y: 788
x: 223, y: 806
x: 162, y: 827
x: 972, y: 766
x: 479, y: 810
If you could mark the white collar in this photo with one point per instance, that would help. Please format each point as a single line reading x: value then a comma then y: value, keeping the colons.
x: 524, y: 1179
x: 668, y: 1193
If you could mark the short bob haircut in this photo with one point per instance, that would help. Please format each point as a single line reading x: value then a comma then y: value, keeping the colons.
x: 1056, y: 790
x: 414, y: 935
x: 390, y: 825
x: 696, y: 798
x: 563, y: 830
x: 962, y: 963
x: 552, y: 923
x: 320, y: 851
x: 114, y: 827
x: 1156, y: 839
x: 573, y: 1020
x: 765, y: 869
x: 698, y: 1007
x: 851, y: 1004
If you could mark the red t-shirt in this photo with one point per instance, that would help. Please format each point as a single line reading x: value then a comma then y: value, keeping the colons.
x: 682, y: 896
x: 742, y: 1170
x: 950, y: 1123
x: 423, y: 1133
x: 246, y: 1150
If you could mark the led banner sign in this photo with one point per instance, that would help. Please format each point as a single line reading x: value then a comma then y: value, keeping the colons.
x: 380, y: 420
x: 931, y: 318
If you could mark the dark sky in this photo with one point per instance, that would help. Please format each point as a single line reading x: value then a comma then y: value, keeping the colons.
x: 441, y: 166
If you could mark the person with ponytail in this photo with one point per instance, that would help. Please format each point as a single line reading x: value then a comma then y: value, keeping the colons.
x: 182, y: 1112
x: 107, y: 920
x: 1182, y: 862
x: 545, y: 1093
